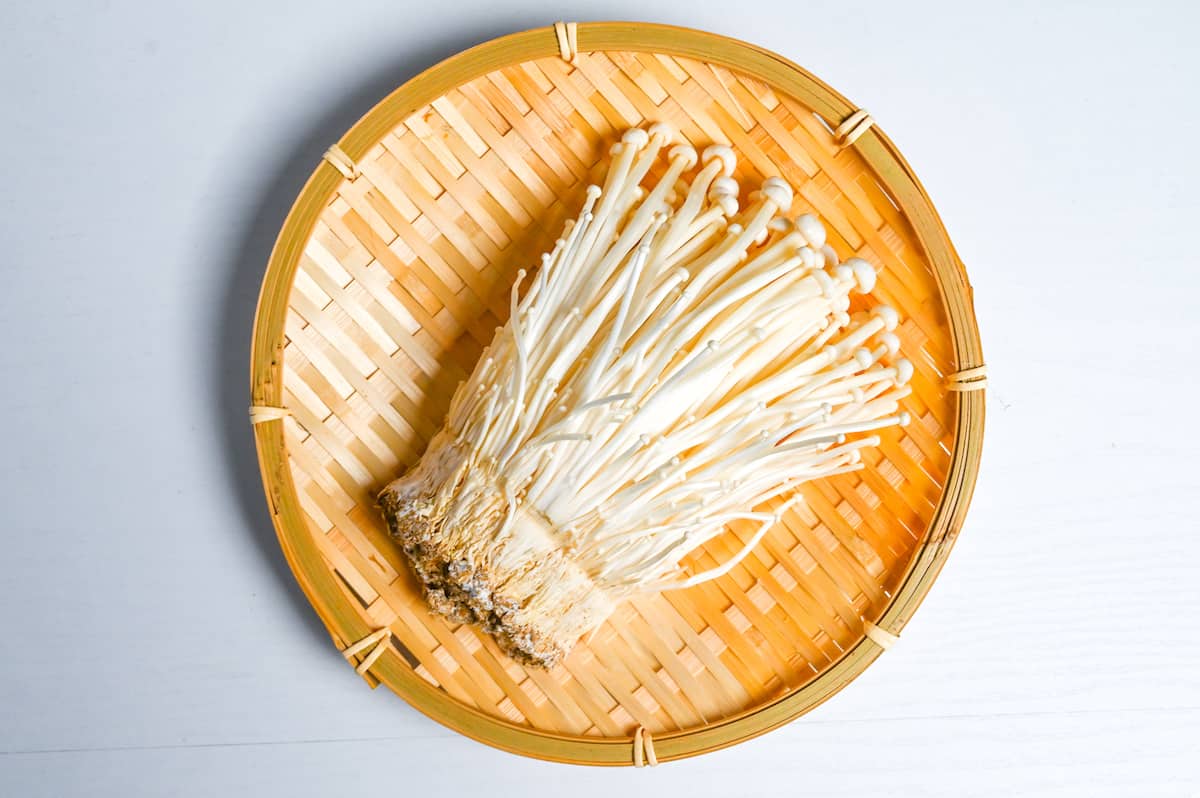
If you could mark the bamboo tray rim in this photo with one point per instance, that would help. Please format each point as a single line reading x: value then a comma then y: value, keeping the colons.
x: 893, y: 171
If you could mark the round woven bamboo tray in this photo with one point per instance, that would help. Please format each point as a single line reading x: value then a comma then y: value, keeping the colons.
x: 390, y: 275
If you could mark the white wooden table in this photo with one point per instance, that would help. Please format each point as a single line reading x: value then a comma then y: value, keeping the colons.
x: 154, y: 641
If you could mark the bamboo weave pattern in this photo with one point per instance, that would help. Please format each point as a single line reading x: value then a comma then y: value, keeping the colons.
x: 402, y: 283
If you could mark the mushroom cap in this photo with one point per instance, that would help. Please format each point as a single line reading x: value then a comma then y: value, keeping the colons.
x: 685, y: 152
x: 831, y: 258
x: 889, y: 340
x: 726, y: 155
x: 663, y: 132
x: 636, y: 137
x: 810, y: 258
x: 864, y: 274
x: 778, y: 191
x: 889, y: 316
x: 811, y: 228
x: 724, y: 193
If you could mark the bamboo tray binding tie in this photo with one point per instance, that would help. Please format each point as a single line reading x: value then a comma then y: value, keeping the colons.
x: 393, y: 269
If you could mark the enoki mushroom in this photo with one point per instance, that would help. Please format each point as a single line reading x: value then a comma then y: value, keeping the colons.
x: 677, y: 363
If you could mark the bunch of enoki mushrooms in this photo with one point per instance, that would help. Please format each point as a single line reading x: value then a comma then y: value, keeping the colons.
x: 676, y: 364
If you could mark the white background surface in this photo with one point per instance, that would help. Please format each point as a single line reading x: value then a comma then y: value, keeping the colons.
x: 154, y: 642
